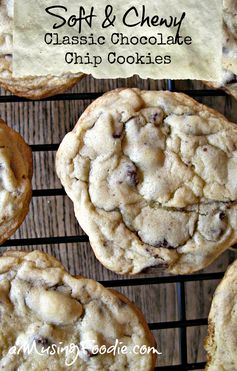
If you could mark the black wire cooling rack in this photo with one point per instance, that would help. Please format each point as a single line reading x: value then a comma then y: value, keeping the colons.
x: 183, y: 323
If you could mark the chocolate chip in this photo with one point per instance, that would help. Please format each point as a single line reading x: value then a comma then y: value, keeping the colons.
x: 164, y: 243
x: 118, y: 130
x: 205, y: 149
x: 45, y: 342
x: 222, y: 215
x: 116, y: 135
x: 232, y: 81
x: 132, y: 177
x: 154, y: 117
x: 91, y: 354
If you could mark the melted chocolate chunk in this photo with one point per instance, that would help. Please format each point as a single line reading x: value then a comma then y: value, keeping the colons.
x: 232, y: 81
x: 90, y: 354
x: 155, y: 117
x: 164, y: 243
x: 41, y: 340
x: 116, y: 135
x: 222, y: 215
x: 132, y: 177
x: 118, y: 130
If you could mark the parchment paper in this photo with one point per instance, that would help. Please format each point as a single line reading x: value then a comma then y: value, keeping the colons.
x: 200, y: 60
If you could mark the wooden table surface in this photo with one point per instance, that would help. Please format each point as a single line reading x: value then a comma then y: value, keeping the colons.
x: 47, y: 122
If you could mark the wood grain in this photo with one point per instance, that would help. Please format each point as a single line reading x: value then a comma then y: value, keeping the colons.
x: 49, y: 216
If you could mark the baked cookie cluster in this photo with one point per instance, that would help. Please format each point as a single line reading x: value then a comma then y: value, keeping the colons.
x: 152, y: 176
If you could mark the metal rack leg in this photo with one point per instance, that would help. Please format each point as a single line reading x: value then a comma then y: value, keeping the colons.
x: 180, y: 289
x: 171, y: 85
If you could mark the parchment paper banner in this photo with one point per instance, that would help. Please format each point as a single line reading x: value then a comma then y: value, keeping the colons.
x: 50, y: 38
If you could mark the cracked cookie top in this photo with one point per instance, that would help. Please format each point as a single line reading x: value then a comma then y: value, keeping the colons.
x: 230, y: 37
x: 43, y: 307
x: 229, y: 59
x: 222, y: 325
x: 152, y: 176
x: 6, y: 26
x: 15, y: 180
x: 29, y: 87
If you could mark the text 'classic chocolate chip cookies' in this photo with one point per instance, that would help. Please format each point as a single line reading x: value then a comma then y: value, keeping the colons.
x: 153, y: 179
x: 29, y: 87
x: 222, y: 325
x: 43, y: 307
x: 15, y: 180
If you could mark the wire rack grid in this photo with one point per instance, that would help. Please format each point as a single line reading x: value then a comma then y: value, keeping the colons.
x: 183, y: 323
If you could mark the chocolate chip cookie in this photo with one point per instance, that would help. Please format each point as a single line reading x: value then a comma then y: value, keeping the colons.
x: 43, y: 307
x: 222, y: 325
x: 153, y: 179
x: 29, y: 87
x: 15, y: 180
x: 229, y: 60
